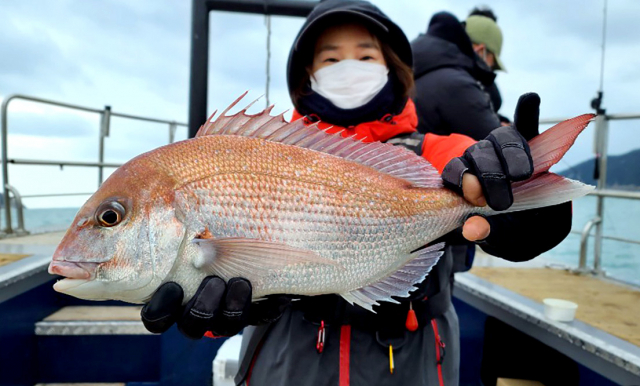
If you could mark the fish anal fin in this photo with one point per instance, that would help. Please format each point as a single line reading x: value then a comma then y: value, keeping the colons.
x: 236, y: 256
x: 401, y: 283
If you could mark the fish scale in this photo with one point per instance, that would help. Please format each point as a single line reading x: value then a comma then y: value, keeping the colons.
x: 311, y: 202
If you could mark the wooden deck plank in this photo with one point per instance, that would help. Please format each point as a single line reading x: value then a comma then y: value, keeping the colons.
x: 6, y: 258
x: 96, y: 313
x: 611, y: 307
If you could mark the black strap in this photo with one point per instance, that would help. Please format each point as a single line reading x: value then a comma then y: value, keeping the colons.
x: 332, y: 309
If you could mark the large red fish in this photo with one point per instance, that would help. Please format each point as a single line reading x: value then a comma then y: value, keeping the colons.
x: 291, y: 208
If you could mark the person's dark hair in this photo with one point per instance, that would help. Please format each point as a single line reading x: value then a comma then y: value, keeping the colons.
x: 402, y: 72
x: 485, y: 11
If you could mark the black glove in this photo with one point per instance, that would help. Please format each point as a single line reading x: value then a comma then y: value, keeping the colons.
x: 501, y: 158
x: 223, y: 309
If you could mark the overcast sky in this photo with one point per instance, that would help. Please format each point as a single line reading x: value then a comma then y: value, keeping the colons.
x: 134, y: 56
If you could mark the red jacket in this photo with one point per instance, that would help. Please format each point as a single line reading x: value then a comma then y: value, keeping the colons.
x: 437, y: 149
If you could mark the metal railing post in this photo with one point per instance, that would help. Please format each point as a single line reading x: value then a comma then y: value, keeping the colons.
x: 173, y: 126
x: 20, y: 229
x: 104, y: 132
x: 602, y: 135
x: 5, y: 167
x: 584, y: 239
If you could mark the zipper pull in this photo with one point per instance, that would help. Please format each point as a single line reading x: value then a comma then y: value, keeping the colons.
x: 320, y: 341
x: 412, y: 320
x: 391, y: 364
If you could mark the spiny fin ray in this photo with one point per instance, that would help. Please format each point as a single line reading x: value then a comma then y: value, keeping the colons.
x: 384, y: 157
x: 400, y: 283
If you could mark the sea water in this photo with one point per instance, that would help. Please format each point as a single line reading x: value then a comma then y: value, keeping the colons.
x: 619, y: 259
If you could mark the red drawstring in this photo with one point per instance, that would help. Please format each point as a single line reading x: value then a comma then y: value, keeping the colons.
x: 439, y: 350
x: 320, y: 341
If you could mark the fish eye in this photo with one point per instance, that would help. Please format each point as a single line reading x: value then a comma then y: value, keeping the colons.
x: 110, y: 214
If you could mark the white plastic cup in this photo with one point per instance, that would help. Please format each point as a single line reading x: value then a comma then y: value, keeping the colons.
x: 559, y: 310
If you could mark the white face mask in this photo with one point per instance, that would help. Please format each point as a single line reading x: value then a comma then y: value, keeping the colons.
x: 350, y: 83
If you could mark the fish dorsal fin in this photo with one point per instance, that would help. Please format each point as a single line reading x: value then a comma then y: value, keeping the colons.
x: 384, y: 157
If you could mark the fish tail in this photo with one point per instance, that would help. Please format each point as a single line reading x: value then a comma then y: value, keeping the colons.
x: 549, y: 147
x: 545, y: 188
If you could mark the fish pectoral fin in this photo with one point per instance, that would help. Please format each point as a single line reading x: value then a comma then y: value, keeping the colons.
x: 400, y: 283
x: 238, y: 256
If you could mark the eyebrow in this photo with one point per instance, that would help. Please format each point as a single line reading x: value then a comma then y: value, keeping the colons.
x: 327, y: 47
x: 333, y: 47
x: 368, y: 45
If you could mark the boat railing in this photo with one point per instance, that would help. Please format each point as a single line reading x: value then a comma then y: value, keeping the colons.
x: 10, y: 193
x: 601, y: 192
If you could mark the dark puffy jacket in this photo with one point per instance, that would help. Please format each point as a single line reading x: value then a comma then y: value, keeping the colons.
x: 451, y: 82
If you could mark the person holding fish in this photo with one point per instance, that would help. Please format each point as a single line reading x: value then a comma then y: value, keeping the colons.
x: 328, y: 233
x: 349, y: 72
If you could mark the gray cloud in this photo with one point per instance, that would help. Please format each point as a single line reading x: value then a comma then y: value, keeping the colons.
x: 52, y: 125
x: 32, y: 60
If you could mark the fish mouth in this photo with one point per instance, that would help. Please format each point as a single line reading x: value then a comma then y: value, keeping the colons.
x: 65, y: 285
x: 73, y: 270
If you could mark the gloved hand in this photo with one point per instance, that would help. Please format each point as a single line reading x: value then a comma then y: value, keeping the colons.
x: 484, y: 173
x: 219, y: 307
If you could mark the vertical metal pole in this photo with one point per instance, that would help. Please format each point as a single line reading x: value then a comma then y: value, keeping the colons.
x: 584, y: 242
x: 5, y: 168
x: 172, y: 131
x: 17, y: 200
x: 199, y: 66
x: 104, y: 132
x: 602, y: 128
x: 268, y: 66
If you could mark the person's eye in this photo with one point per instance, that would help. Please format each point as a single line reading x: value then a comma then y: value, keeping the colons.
x: 365, y: 58
x: 330, y: 60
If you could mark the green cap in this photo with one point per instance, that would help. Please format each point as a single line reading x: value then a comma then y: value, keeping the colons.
x: 483, y: 30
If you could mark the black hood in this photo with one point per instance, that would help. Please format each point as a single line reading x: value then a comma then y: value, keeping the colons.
x: 446, y: 44
x: 332, y: 12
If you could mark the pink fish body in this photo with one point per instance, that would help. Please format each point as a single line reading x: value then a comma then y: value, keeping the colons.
x: 291, y: 208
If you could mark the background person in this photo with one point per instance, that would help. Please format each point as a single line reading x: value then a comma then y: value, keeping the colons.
x: 451, y: 81
x: 486, y: 38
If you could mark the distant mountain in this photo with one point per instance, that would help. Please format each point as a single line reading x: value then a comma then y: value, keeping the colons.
x: 623, y: 171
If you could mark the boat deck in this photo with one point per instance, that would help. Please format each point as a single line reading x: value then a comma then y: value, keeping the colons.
x: 609, y: 306
x: 7, y: 258
x: 49, y: 238
x: 24, y: 261
x: 101, y: 313
x: 603, y: 337
x: 17, y: 248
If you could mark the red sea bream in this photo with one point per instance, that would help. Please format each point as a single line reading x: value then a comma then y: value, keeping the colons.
x: 291, y: 208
